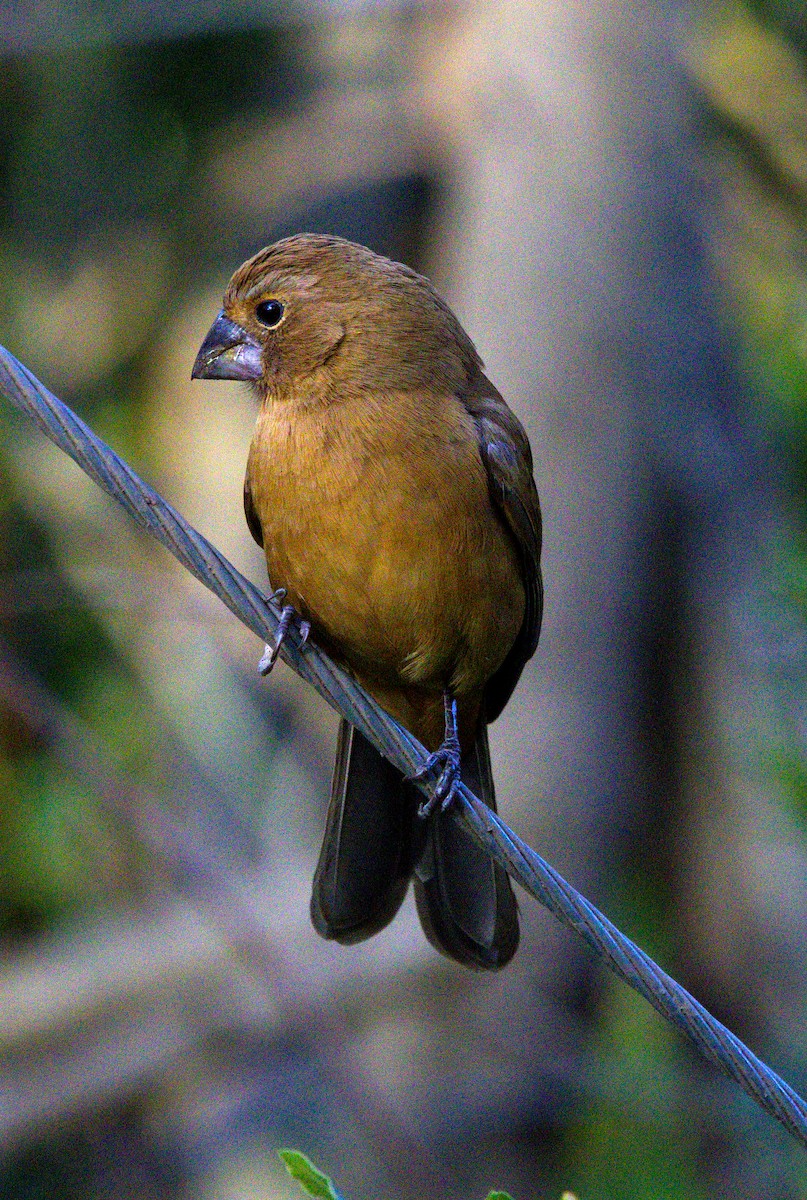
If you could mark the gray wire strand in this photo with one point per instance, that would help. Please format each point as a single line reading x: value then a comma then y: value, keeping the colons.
x: 717, y: 1043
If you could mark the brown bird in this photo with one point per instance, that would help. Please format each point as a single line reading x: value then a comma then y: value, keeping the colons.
x: 391, y: 488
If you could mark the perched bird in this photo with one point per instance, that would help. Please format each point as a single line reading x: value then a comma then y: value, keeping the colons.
x: 391, y: 489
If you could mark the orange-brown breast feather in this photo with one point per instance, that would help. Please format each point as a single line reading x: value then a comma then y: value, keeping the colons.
x: 378, y: 520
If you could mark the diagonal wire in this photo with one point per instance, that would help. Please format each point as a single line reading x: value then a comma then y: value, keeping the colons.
x: 715, y: 1042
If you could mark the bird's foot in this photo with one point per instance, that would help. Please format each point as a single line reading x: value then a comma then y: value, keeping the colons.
x: 447, y: 760
x: 287, y: 616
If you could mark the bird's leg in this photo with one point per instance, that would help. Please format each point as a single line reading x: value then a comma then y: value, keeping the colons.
x: 447, y: 758
x: 270, y: 653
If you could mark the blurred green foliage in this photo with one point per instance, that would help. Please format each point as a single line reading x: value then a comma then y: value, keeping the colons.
x: 310, y: 1178
x: 102, y: 166
x: 106, y: 136
x: 104, y: 226
x: 750, y: 65
x: 788, y: 18
x: 315, y: 1183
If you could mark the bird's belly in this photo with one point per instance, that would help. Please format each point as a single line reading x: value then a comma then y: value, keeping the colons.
x: 398, y: 599
x: 405, y: 571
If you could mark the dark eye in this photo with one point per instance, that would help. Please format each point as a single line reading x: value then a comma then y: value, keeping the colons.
x: 270, y: 312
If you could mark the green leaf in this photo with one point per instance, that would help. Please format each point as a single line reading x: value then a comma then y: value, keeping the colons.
x: 499, y: 1196
x: 310, y: 1179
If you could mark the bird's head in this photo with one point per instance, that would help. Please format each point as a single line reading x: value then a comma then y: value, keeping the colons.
x: 311, y: 303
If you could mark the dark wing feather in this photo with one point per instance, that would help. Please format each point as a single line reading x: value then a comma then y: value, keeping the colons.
x: 506, y: 455
x: 253, y: 521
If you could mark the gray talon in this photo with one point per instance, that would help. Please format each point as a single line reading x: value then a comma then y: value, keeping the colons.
x: 269, y: 656
x: 447, y: 758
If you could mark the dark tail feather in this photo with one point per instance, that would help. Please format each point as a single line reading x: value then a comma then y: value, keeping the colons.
x: 374, y: 840
x: 368, y: 851
x: 465, y: 902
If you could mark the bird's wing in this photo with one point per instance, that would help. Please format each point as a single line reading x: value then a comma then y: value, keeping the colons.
x: 253, y: 520
x: 506, y: 454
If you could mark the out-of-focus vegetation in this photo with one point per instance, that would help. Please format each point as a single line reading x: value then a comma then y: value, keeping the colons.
x: 107, y: 234
x: 315, y: 1183
x: 750, y: 66
x: 133, y: 178
x: 754, y: 79
x: 105, y: 231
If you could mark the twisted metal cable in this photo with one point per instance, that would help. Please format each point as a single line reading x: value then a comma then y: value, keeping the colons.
x: 261, y: 614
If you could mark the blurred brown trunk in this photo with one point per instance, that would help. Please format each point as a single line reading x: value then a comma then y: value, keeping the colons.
x: 571, y: 245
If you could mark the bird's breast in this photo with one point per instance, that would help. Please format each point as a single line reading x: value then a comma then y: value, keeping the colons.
x: 376, y: 518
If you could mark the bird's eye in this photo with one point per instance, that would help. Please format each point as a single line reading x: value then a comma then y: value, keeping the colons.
x: 270, y: 313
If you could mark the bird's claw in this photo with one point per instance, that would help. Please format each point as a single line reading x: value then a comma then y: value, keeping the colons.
x: 270, y: 653
x: 448, y: 759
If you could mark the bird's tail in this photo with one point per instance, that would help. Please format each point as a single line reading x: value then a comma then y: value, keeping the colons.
x: 367, y: 853
x: 375, y: 842
x: 465, y: 902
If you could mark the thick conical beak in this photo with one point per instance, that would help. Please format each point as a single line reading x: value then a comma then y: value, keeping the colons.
x: 228, y: 352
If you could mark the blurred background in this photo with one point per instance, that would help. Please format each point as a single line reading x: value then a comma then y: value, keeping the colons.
x: 613, y: 197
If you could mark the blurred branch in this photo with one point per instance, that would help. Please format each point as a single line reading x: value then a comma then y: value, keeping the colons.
x: 26, y: 30
x: 90, y: 1016
x: 713, y: 1040
x: 150, y: 987
x: 346, y: 138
